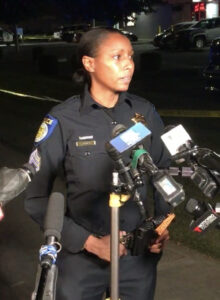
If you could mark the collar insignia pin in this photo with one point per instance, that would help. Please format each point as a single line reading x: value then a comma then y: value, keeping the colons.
x: 139, y: 118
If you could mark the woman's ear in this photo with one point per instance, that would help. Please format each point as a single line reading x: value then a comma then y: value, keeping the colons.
x: 88, y: 63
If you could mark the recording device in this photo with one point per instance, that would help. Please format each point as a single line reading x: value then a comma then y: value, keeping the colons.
x: 14, y: 181
x: 204, y: 215
x: 45, y: 285
x: 141, y: 163
x: 204, y: 162
x: 141, y: 238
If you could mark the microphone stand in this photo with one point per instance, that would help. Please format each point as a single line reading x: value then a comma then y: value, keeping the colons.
x: 116, y: 200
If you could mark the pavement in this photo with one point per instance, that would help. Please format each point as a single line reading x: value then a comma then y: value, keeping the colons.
x: 183, y: 273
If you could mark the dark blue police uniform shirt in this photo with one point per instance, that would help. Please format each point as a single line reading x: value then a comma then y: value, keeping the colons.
x: 77, y: 145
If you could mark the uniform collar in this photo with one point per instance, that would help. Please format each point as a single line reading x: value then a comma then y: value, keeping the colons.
x: 88, y: 104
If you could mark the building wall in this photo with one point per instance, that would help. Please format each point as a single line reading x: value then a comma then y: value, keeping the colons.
x: 181, y: 13
x: 147, y: 25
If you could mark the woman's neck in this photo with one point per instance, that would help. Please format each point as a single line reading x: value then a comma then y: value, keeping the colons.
x: 105, y: 98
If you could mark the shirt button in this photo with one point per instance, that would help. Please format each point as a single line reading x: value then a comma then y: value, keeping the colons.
x: 87, y: 153
x: 114, y: 123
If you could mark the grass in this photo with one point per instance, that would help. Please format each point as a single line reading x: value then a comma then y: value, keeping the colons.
x: 207, y: 242
x: 28, y: 113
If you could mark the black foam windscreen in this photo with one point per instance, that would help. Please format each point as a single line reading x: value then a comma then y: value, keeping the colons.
x: 119, y: 128
x: 53, y: 222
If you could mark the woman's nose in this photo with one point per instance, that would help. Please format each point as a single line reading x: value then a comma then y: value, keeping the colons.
x: 129, y: 63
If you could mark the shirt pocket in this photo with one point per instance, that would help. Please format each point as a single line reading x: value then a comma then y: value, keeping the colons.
x: 90, y: 165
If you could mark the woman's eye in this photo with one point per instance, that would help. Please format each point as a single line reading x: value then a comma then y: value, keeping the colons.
x: 116, y: 57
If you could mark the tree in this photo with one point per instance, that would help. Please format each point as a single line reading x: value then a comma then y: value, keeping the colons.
x: 111, y: 11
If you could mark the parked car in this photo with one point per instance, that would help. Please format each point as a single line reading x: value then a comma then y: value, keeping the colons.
x: 57, y: 33
x: 211, y: 73
x: 73, y: 33
x: 198, y: 35
x: 6, y: 37
x: 165, y: 38
x: 130, y: 35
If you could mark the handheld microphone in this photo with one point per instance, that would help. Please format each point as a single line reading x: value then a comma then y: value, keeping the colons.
x: 45, y: 285
x: 14, y: 181
x: 204, y: 216
x: 204, y: 162
x: 178, y: 142
x: 52, y: 229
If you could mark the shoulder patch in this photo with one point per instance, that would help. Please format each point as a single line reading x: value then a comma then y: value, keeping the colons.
x: 35, y: 159
x: 46, y: 128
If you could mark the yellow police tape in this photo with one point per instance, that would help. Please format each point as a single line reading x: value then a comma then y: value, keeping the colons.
x: 189, y: 113
x: 163, y: 112
x: 45, y: 98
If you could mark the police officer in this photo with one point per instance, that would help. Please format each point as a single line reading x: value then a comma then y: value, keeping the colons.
x: 72, y: 138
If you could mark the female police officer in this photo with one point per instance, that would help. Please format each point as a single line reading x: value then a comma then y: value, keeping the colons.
x: 72, y: 137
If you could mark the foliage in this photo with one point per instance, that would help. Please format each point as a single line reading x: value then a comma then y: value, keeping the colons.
x: 111, y: 11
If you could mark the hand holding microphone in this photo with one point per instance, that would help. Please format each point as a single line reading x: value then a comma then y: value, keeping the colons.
x: 14, y: 181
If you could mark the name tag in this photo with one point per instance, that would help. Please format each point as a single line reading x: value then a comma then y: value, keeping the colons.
x: 85, y: 143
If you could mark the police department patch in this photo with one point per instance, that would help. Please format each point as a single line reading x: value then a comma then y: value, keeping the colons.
x: 45, y: 130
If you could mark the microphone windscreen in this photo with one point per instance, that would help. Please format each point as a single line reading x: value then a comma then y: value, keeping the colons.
x: 191, y: 205
x: 53, y: 223
x: 119, y: 128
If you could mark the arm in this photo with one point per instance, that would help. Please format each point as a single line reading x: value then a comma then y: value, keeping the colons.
x: 52, y: 150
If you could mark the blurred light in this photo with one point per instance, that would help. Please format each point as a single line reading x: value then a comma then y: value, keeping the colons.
x: 211, y: 10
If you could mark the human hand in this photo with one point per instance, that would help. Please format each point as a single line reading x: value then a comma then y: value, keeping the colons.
x: 159, y: 243
x: 101, y: 246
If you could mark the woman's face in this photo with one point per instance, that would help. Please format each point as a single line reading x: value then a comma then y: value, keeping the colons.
x: 113, y: 66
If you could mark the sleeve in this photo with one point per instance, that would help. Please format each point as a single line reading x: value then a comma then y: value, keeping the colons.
x: 52, y: 152
x: 161, y: 158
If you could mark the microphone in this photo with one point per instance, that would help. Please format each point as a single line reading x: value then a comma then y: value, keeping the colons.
x: 14, y: 181
x: 119, y: 128
x: 178, y: 142
x: 204, y: 216
x: 204, y: 162
x: 53, y: 225
x: 124, y: 139
x: 120, y: 166
x: 45, y: 285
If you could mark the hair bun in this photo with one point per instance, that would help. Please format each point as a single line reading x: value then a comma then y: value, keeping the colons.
x: 79, y: 76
